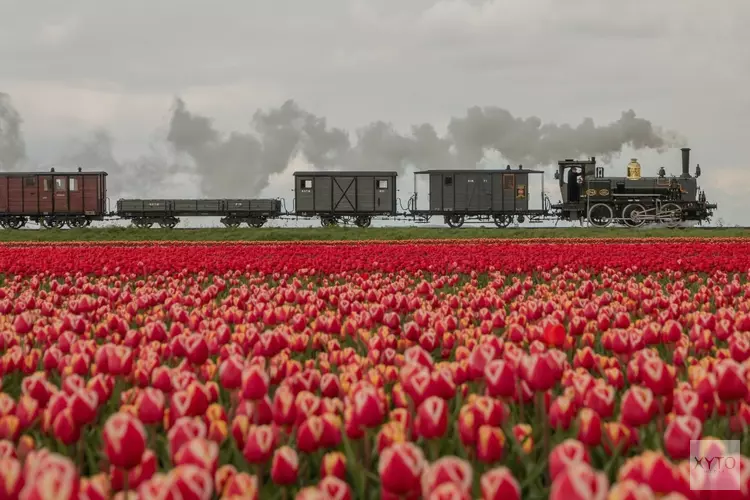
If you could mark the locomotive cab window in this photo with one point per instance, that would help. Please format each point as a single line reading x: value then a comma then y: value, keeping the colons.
x: 509, y: 181
x: 29, y: 182
x: 449, y: 181
x: 73, y: 184
x: 59, y: 185
x: 382, y: 184
x: 307, y: 184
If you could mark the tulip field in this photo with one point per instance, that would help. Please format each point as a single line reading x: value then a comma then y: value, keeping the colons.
x: 438, y: 370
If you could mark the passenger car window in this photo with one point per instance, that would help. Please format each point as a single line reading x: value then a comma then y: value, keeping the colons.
x: 73, y: 184
x: 29, y: 182
x: 59, y: 185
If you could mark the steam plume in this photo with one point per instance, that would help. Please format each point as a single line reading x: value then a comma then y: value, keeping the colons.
x: 241, y: 164
x: 12, y: 146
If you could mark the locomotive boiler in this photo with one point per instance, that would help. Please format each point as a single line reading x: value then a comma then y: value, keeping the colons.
x: 631, y: 200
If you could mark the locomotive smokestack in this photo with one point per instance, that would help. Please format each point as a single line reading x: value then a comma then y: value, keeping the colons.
x: 686, y: 163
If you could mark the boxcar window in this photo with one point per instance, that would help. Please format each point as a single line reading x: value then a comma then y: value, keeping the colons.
x: 30, y: 182
x: 307, y: 184
x: 59, y: 185
x: 73, y: 184
x: 509, y: 181
x: 449, y: 181
x: 382, y: 184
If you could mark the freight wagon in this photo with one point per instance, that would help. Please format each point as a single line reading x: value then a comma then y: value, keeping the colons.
x: 166, y: 213
x: 52, y: 199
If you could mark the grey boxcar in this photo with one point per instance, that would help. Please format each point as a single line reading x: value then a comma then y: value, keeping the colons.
x: 341, y: 195
x: 144, y: 213
x: 499, y: 194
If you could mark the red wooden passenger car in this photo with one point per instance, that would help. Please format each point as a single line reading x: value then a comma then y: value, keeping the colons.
x: 52, y: 198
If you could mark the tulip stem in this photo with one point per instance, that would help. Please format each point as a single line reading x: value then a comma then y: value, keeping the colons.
x: 125, y: 484
x: 368, y: 456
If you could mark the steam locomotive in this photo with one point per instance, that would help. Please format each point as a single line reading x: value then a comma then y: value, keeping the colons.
x: 632, y: 200
x: 76, y: 199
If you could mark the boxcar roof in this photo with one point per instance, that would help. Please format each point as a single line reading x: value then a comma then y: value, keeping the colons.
x: 482, y: 170
x: 346, y: 173
x: 56, y: 172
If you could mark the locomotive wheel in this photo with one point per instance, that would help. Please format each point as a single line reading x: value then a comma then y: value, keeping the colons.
x: 52, y: 223
x: 363, y: 221
x: 632, y: 215
x: 256, y: 222
x: 455, y: 221
x: 670, y: 214
x: 503, y: 220
x: 600, y: 215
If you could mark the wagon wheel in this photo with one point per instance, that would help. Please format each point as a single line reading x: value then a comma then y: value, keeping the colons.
x: 670, y: 214
x: 600, y: 215
x: 168, y: 223
x: 455, y: 221
x: 327, y: 221
x: 231, y: 223
x: 52, y: 223
x: 142, y: 223
x: 632, y: 215
x: 76, y: 222
x: 503, y: 220
x: 256, y: 221
x: 14, y: 223
x: 363, y: 221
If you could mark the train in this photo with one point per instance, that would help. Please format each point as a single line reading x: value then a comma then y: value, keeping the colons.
x: 76, y: 199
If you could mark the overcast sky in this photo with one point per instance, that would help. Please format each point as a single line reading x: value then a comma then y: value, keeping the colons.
x: 73, y: 67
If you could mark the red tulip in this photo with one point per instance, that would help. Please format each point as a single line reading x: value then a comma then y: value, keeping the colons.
x: 334, y: 487
x: 447, y: 470
x: 490, y: 444
x: 680, y: 431
x: 124, y: 440
x: 200, y: 452
x: 333, y: 464
x: 260, y: 443
x: 579, y: 481
x: 565, y: 454
x: 242, y: 485
x: 499, y: 484
x: 255, y: 383
x: 500, y: 379
x: 637, y: 406
x: 400, y: 468
x: 12, y: 478
x: 731, y: 380
x: 230, y: 373
x: 285, y: 466
x: 432, y: 418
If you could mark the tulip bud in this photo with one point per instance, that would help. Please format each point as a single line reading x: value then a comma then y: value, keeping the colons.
x: 680, y: 431
x: 333, y: 464
x: 255, y: 383
x: 499, y: 484
x: 447, y: 470
x: 259, y: 444
x: 242, y: 485
x: 578, y: 482
x: 200, y: 452
x: 124, y: 440
x: 638, y: 406
x: 566, y: 453
x: 400, y: 468
x: 285, y: 466
x: 432, y: 418
x: 11, y: 478
x: 490, y: 444
x: 334, y: 487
